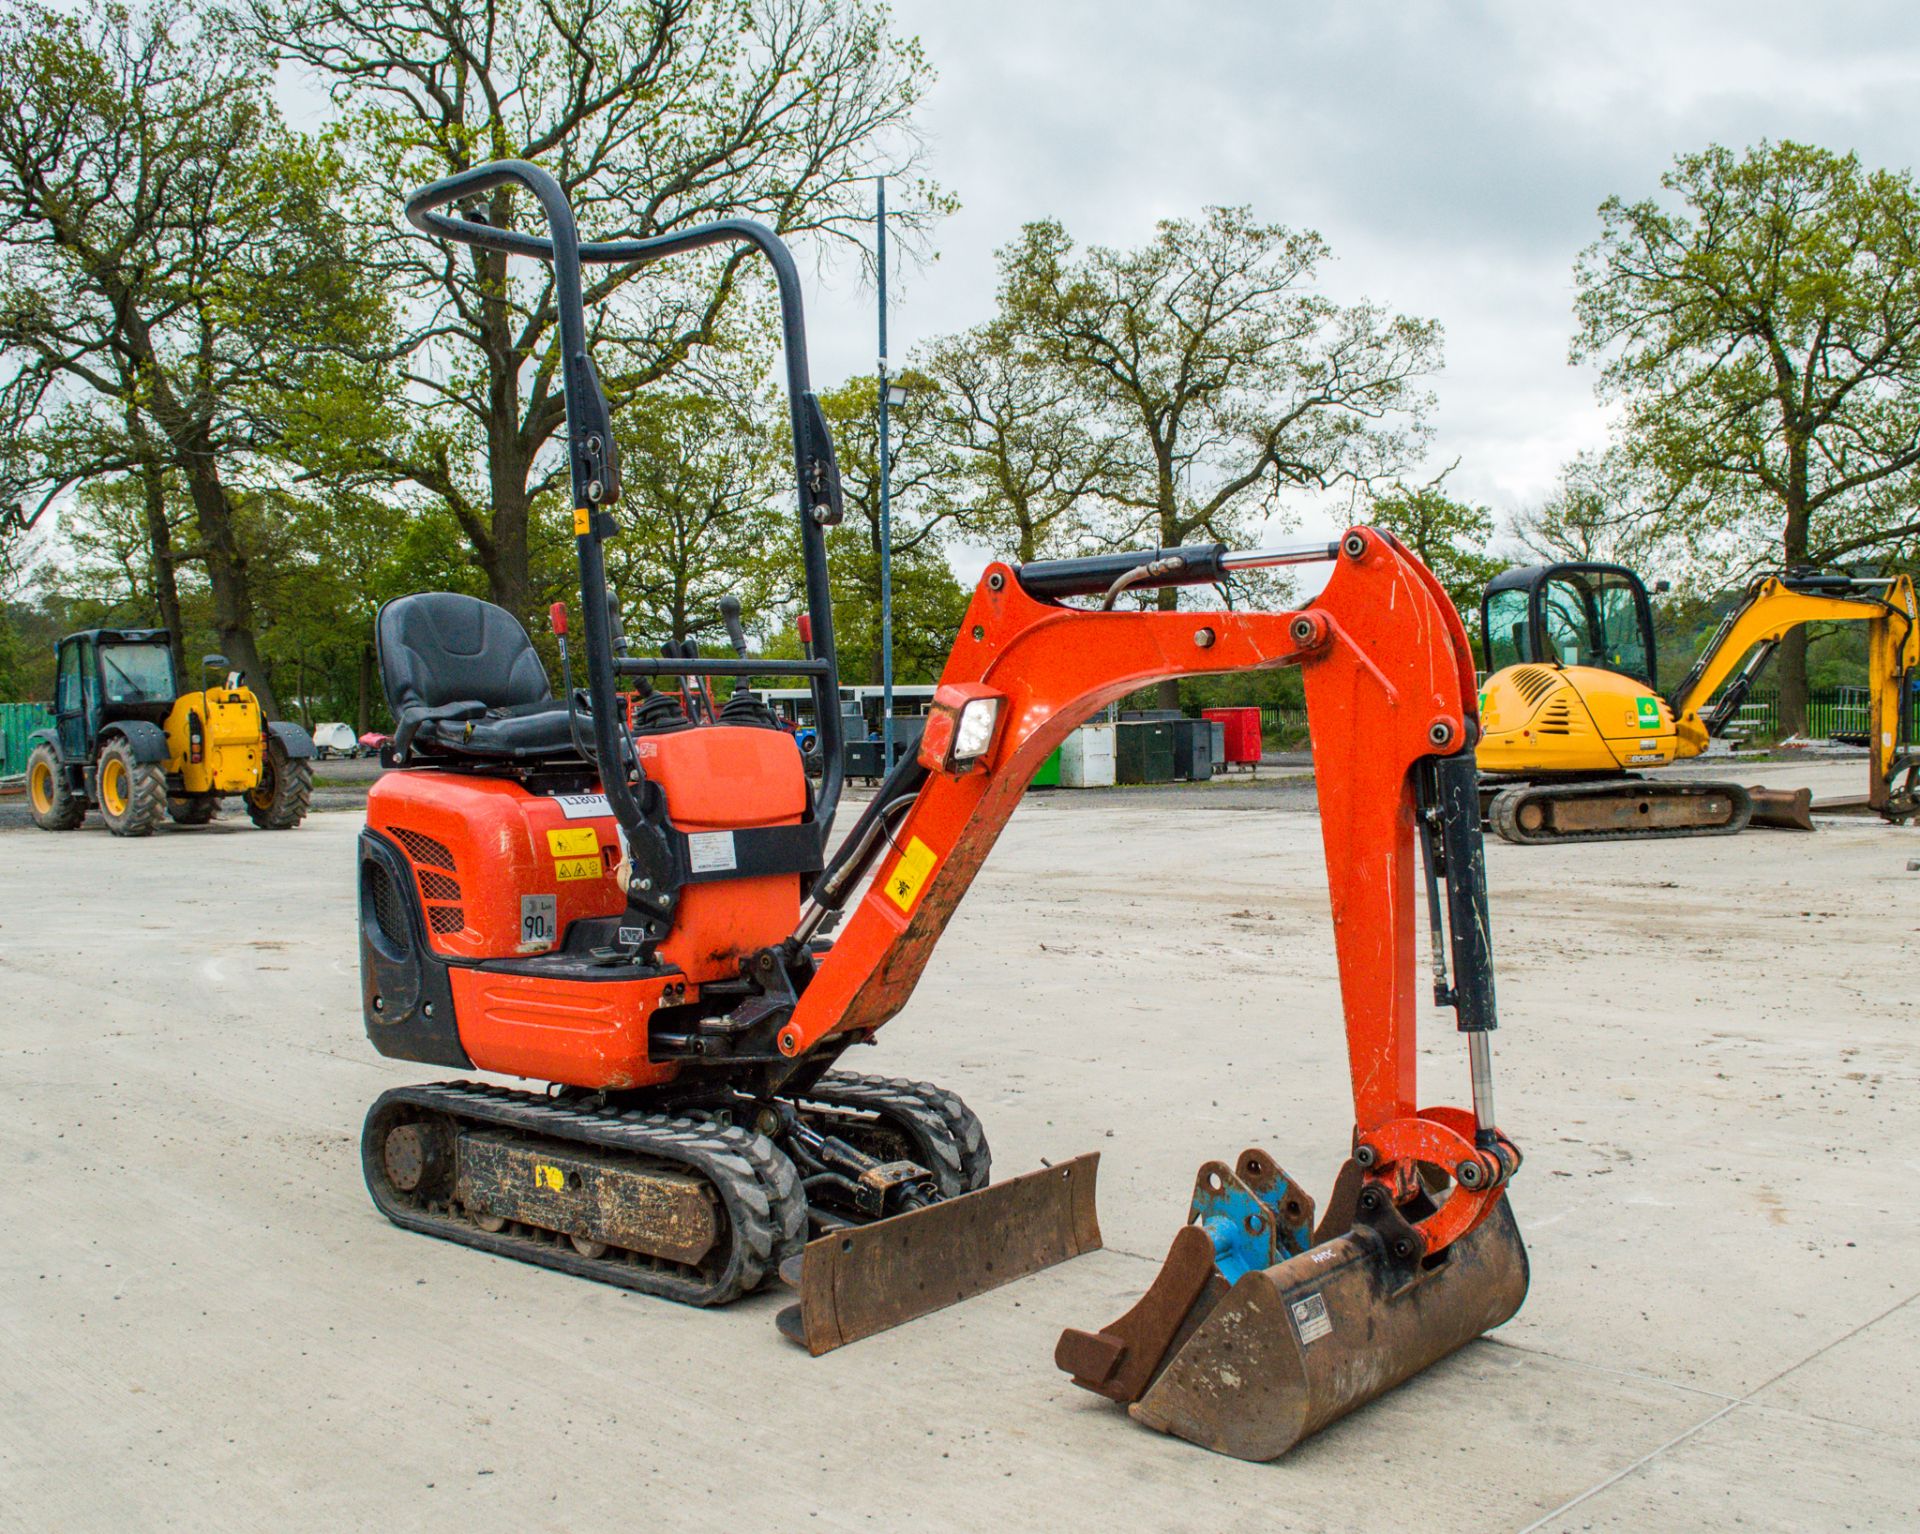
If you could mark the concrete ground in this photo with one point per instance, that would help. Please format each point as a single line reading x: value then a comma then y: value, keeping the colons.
x: 1709, y: 1054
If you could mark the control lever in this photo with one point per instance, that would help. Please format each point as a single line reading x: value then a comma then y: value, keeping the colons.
x: 557, y: 616
x: 616, y: 627
x: 730, y: 616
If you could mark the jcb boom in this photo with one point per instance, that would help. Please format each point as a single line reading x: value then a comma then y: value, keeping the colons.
x: 1571, y: 712
x: 635, y: 908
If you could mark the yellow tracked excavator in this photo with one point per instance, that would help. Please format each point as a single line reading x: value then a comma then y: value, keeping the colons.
x: 1571, y: 711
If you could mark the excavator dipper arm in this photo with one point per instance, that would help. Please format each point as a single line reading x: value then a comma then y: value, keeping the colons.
x: 1389, y: 687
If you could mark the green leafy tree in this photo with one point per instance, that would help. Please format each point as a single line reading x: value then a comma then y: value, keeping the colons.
x: 654, y: 115
x: 705, y: 513
x: 1213, y: 354
x: 178, y: 282
x: 1760, y: 324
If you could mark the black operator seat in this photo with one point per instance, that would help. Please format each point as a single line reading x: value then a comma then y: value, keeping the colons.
x: 463, y: 679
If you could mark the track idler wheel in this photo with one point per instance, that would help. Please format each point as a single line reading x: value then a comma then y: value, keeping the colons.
x: 1252, y: 1367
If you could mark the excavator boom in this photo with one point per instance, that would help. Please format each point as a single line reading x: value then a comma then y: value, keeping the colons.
x: 1772, y: 608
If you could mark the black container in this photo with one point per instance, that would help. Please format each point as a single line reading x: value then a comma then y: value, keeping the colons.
x: 1144, y: 751
x: 1192, y: 750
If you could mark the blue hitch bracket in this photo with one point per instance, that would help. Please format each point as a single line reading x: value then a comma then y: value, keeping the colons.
x: 1252, y: 1213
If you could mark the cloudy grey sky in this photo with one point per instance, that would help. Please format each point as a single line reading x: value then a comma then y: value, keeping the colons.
x: 1453, y: 155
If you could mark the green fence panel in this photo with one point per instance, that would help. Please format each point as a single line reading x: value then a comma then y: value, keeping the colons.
x: 1830, y: 711
x: 18, y: 721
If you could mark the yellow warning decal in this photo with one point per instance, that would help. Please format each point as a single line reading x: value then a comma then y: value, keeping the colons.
x: 576, y: 868
x: 545, y: 1176
x: 575, y: 842
x: 903, y: 884
x: 582, y: 521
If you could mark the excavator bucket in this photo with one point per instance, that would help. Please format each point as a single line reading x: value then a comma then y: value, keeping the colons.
x: 1253, y: 1367
x: 863, y: 1279
x: 1785, y: 809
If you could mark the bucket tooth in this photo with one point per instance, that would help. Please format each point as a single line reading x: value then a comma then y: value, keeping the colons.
x: 1120, y: 1361
x: 1296, y: 1346
x: 863, y: 1279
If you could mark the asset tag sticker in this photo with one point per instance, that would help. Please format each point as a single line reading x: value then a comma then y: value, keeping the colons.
x: 583, y: 806
x: 574, y: 842
x: 576, y: 868
x: 1310, y: 1318
x: 538, y: 922
x: 711, y: 852
x: 903, y: 884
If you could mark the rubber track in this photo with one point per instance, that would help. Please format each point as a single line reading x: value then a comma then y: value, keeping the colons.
x: 758, y: 1187
x: 935, y: 1118
x: 1503, y: 812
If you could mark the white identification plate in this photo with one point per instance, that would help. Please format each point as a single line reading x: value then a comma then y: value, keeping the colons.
x: 1310, y: 1318
x: 583, y: 806
x: 537, y: 925
x: 711, y: 852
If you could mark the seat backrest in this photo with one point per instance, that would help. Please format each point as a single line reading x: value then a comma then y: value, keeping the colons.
x: 438, y: 647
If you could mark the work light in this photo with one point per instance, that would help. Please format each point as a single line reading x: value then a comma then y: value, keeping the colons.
x: 960, y: 727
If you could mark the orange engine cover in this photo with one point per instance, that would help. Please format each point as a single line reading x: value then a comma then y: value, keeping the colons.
x: 484, y: 850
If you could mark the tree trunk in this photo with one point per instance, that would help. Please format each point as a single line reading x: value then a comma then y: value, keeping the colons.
x: 166, y: 588
x: 227, y: 576
x: 508, y: 564
x: 193, y: 456
x: 1791, y: 661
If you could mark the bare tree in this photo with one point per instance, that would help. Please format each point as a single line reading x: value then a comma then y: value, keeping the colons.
x: 1020, y: 455
x: 1213, y: 354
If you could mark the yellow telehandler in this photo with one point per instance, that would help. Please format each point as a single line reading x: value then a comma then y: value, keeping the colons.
x: 1570, y: 710
x: 127, y: 741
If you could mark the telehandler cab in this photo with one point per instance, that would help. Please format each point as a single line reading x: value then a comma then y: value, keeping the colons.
x: 128, y: 741
x: 637, y: 912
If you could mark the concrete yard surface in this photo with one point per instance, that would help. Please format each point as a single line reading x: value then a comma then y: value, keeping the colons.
x: 1709, y: 1052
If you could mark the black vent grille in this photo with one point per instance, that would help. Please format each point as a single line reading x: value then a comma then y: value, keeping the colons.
x: 437, y: 886
x: 388, y: 909
x: 1533, y: 682
x: 424, y: 850
x: 446, y: 918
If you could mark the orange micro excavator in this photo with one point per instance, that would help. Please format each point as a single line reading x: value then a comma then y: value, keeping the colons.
x: 634, y: 907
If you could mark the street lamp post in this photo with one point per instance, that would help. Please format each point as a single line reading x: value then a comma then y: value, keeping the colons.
x: 886, y: 488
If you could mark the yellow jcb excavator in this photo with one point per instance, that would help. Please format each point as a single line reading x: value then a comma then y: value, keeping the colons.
x: 1571, y: 710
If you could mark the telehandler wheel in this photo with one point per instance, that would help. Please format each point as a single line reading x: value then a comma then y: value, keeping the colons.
x: 193, y: 809
x: 133, y: 794
x: 55, y: 806
x: 278, y: 802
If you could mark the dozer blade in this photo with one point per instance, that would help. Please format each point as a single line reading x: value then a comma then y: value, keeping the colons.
x: 1296, y: 1346
x: 864, y: 1279
x: 1786, y: 809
